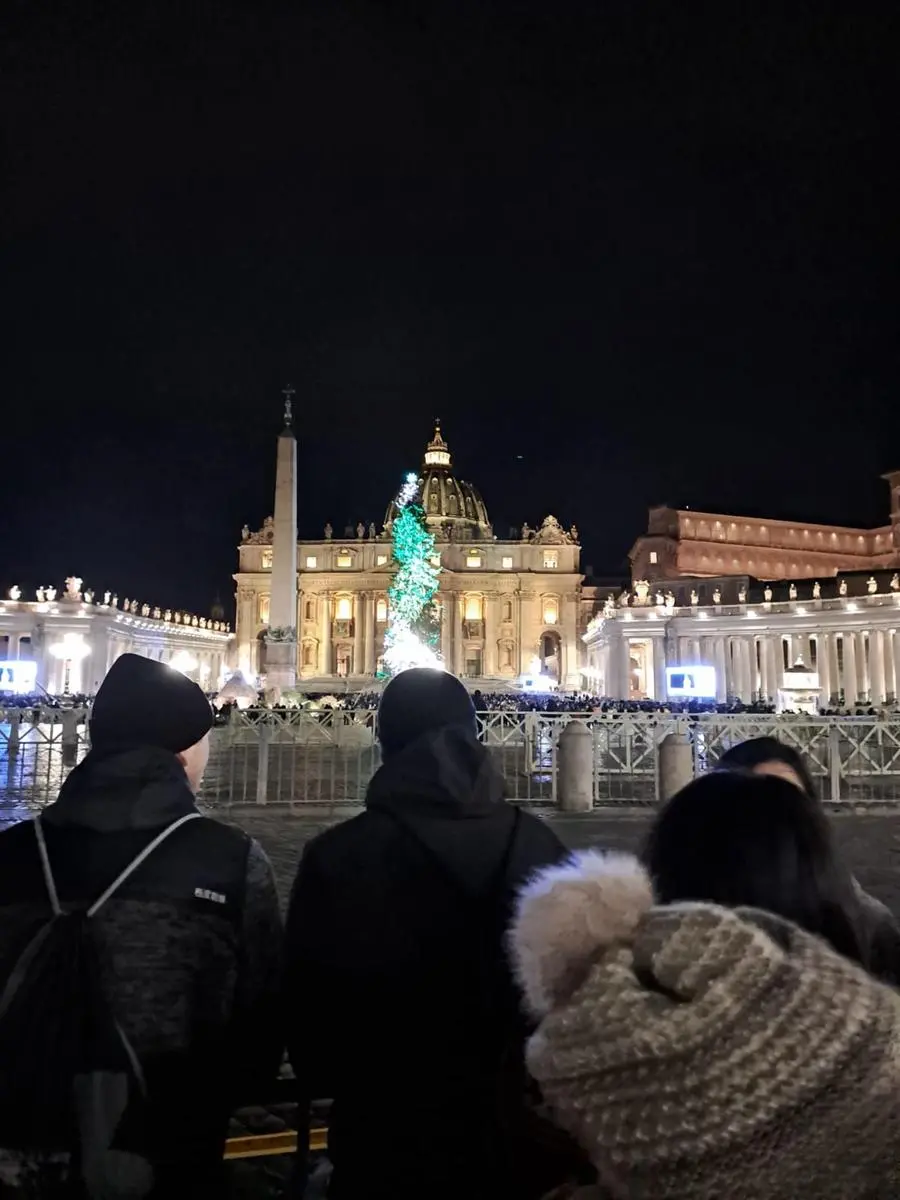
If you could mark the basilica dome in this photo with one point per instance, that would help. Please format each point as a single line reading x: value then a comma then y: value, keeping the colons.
x: 449, y: 503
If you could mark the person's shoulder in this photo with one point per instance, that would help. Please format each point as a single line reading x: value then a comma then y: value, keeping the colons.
x: 13, y: 836
x: 540, y: 839
x: 337, y: 839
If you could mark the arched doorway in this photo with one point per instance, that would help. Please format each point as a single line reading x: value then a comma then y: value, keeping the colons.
x: 551, y: 655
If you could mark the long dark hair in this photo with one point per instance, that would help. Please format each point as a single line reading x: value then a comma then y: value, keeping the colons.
x: 738, y: 840
x: 746, y: 756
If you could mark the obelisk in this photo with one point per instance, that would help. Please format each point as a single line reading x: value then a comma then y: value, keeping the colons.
x: 281, y: 641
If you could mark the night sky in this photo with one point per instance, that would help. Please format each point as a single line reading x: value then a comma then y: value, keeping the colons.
x: 629, y: 253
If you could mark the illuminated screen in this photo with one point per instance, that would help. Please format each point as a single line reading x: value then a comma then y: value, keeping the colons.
x: 18, y: 675
x: 691, y: 682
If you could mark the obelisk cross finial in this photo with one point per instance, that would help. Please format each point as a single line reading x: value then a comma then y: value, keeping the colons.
x: 288, y: 393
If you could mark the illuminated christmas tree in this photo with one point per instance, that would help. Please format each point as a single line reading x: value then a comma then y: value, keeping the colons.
x: 412, y: 631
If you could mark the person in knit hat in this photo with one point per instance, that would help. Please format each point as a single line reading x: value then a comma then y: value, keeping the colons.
x: 191, y: 942
x: 400, y: 1001
x: 704, y: 1053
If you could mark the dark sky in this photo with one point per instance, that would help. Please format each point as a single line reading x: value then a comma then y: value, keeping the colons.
x: 629, y: 253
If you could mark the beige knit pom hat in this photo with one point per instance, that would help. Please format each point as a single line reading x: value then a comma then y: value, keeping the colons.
x: 696, y: 1052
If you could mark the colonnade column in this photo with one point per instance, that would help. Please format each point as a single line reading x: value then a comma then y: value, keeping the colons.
x: 833, y: 671
x: 624, y: 669
x: 658, y: 648
x: 876, y: 667
x: 862, y: 669
x: 721, y: 672
x: 823, y: 665
x: 850, y: 680
x: 896, y: 640
x: 890, y: 682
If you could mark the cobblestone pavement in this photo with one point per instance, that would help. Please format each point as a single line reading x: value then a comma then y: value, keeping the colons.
x: 871, y: 842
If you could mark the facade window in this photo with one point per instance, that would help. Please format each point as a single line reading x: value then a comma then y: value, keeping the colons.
x: 551, y: 560
x: 473, y: 663
x: 551, y: 611
x: 264, y: 608
x: 507, y: 610
x: 307, y: 654
x: 343, y: 608
x: 381, y: 610
x: 473, y: 559
x: 380, y: 560
x: 435, y: 560
x: 506, y: 562
x: 311, y: 562
x: 474, y: 608
x: 344, y: 559
x: 267, y: 559
x: 309, y: 612
x: 654, y: 557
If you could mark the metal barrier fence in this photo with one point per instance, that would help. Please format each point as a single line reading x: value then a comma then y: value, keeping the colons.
x: 326, y: 758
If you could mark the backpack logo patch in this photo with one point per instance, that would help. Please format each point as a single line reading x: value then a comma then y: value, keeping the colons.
x: 206, y: 894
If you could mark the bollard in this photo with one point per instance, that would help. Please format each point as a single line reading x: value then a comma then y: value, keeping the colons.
x: 69, y: 737
x: 575, y: 768
x: 12, y: 742
x: 675, y: 765
x: 264, y: 733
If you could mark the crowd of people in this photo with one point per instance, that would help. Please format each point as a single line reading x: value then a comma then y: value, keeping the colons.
x: 491, y: 1014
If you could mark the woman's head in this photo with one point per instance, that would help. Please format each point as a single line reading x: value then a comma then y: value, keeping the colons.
x: 768, y: 756
x: 744, y: 840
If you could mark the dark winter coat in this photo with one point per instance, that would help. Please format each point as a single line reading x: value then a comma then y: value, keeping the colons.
x: 383, y: 927
x: 190, y: 945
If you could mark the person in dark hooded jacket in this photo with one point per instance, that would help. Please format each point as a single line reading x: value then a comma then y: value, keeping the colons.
x: 400, y: 1003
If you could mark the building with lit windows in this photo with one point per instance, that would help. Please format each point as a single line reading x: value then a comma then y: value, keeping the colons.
x: 503, y: 602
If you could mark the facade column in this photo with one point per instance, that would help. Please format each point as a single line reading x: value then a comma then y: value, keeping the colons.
x: 458, y: 648
x: 896, y: 641
x: 447, y: 629
x: 721, y: 670
x: 850, y: 681
x: 696, y: 654
x: 489, y: 666
x: 823, y: 666
x: 625, y: 668
x: 876, y: 667
x: 684, y: 652
x: 369, y: 632
x: 360, y: 602
x: 325, y: 665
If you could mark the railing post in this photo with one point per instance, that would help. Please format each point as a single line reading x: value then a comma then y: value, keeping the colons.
x: 12, y: 744
x: 834, y: 763
x: 675, y: 765
x: 264, y: 734
x: 575, y: 768
x: 69, y: 737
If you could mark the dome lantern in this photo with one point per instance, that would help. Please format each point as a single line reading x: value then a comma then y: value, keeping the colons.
x: 437, y: 452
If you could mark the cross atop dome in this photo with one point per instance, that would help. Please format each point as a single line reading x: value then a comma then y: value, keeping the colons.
x: 437, y: 452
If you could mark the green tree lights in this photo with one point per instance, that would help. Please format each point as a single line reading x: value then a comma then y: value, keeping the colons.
x: 411, y: 634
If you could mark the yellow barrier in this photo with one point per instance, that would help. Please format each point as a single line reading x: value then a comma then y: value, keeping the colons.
x: 261, y: 1145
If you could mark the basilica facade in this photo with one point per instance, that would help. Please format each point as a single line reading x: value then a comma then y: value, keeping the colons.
x: 503, y: 602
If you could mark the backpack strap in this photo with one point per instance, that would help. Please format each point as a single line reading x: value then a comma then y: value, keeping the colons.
x: 133, y: 866
x: 50, y: 882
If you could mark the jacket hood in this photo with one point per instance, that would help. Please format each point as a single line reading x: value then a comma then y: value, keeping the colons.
x: 446, y: 770
x: 144, y: 788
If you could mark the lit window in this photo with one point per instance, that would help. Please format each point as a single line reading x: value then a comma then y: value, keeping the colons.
x: 551, y: 560
x: 506, y: 562
x: 551, y: 612
x: 380, y: 560
x: 343, y: 608
x: 654, y: 557
x: 507, y: 610
x: 264, y: 609
x: 311, y: 562
x: 381, y: 610
x: 473, y: 663
x: 473, y: 608
x: 267, y: 560
x: 473, y: 559
x: 344, y: 559
x: 435, y: 560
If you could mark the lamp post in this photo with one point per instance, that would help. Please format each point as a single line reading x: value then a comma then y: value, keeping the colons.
x: 71, y: 652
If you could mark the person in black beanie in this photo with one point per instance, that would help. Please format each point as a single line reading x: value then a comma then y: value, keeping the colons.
x: 399, y: 1000
x: 190, y: 944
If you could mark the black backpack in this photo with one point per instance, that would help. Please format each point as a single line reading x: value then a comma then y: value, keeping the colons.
x: 71, y: 1087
